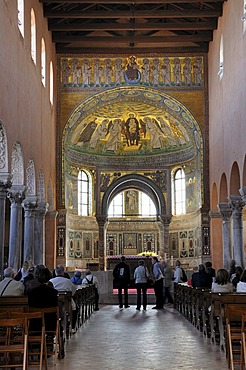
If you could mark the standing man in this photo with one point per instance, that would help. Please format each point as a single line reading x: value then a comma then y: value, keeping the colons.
x: 121, y: 274
x: 168, y: 280
x: 158, y: 274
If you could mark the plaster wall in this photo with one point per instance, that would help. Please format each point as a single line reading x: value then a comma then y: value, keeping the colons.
x: 25, y: 108
x: 227, y: 96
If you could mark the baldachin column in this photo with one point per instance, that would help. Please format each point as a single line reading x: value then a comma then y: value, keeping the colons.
x: 102, y: 221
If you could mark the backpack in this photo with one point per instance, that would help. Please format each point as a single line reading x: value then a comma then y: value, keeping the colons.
x: 183, y: 277
x: 90, y: 282
x: 121, y: 272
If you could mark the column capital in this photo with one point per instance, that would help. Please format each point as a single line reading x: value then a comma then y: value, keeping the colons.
x: 102, y: 219
x: 225, y: 210
x: 165, y: 219
x: 5, y: 181
x: 42, y: 209
x: 30, y: 205
x: 242, y: 192
x: 236, y: 202
x: 16, y: 194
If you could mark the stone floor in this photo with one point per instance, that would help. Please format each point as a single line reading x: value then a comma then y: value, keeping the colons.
x: 146, y: 340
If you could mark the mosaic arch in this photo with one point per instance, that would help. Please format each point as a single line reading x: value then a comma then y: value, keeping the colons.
x: 136, y: 126
x: 3, y: 149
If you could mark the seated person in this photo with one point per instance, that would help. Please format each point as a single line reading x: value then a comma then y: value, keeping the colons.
x: 44, y: 296
x: 92, y: 280
x: 221, y: 283
x: 33, y: 283
x: 201, y: 279
x: 241, y: 285
x: 9, y: 286
x: 76, y: 278
x: 235, y: 278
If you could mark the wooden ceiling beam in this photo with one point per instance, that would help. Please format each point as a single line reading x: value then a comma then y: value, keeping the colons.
x: 149, y: 50
x: 73, y: 14
x: 91, y: 2
x: 92, y: 41
x: 192, y: 26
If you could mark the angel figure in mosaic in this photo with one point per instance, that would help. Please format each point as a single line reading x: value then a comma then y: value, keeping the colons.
x: 114, y: 130
x: 99, y: 133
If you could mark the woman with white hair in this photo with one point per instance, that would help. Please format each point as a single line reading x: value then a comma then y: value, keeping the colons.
x: 9, y: 286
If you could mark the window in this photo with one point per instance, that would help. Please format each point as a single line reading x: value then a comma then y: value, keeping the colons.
x: 117, y: 207
x: 20, y: 7
x: 84, y: 194
x: 221, y: 65
x: 147, y: 207
x: 243, y: 19
x: 51, y: 84
x: 33, y: 36
x: 43, y: 62
x: 179, y: 192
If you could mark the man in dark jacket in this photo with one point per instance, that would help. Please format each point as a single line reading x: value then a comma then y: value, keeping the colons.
x: 121, y: 274
x: 201, y: 279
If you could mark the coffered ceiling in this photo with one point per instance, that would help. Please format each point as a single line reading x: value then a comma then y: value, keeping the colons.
x: 132, y: 26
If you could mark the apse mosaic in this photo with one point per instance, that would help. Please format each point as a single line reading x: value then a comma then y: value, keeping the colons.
x: 131, y: 122
x: 148, y: 71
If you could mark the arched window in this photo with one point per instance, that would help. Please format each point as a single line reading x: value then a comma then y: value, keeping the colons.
x: 20, y: 7
x: 221, y: 65
x: 147, y: 207
x: 84, y: 194
x: 51, y: 84
x: 179, y: 192
x: 33, y: 36
x: 123, y: 204
x: 243, y: 19
x: 116, y: 206
x: 43, y: 62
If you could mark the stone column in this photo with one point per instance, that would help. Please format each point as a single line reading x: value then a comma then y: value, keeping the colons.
x: 164, y: 234
x: 30, y: 205
x: 237, y: 205
x: 5, y: 183
x: 39, y: 242
x: 226, y: 212
x: 16, y: 196
x: 102, y: 221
